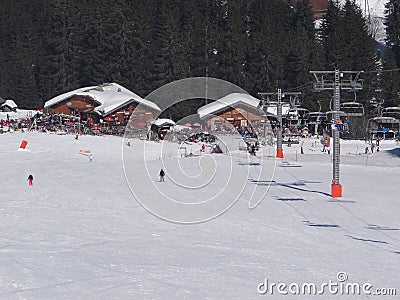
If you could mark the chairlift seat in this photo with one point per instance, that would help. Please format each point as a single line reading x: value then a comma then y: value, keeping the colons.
x: 352, y: 109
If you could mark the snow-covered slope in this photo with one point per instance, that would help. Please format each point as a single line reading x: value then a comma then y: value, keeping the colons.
x: 79, y: 233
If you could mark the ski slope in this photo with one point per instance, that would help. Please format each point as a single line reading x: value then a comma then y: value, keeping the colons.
x: 79, y: 233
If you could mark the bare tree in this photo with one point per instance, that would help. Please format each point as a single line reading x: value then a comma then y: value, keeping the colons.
x: 375, y: 27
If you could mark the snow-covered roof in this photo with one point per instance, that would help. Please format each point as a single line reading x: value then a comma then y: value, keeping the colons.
x: 163, y: 122
x: 235, y: 99
x: 231, y: 100
x: 110, y: 96
x: 10, y: 103
x: 2, y: 101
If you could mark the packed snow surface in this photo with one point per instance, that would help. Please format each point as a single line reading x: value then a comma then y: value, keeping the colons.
x: 79, y: 233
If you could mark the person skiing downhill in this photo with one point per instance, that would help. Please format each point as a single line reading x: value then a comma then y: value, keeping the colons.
x: 30, y: 180
x: 162, y: 175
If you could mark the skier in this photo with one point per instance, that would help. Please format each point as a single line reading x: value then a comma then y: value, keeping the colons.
x: 324, y: 142
x: 162, y: 175
x: 91, y: 158
x: 30, y: 180
x: 346, y: 125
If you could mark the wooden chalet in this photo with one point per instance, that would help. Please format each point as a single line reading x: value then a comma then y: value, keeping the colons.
x: 110, y: 102
x: 239, y: 110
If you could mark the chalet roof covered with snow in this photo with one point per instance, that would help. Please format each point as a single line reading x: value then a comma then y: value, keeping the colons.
x: 110, y: 96
x: 235, y: 99
x: 231, y: 100
x: 10, y: 103
x: 164, y: 122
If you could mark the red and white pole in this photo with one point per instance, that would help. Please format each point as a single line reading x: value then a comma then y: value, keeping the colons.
x: 279, y: 149
x: 336, y: 186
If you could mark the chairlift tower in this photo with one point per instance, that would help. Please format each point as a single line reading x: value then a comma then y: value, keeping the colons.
x: 336, y: 81
x: 279, y: 102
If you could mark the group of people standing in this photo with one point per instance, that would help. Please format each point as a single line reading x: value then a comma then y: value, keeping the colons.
x: 372, y: 148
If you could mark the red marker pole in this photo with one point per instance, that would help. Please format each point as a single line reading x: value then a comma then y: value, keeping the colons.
x: 279, y: 149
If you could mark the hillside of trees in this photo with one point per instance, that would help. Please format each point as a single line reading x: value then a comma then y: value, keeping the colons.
x: 48, y: 47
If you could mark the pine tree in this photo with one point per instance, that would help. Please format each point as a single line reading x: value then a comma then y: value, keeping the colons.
x: 52, y: 76
x: 268, y: 42
x: 392, y: 24
x: 227, y: 53
x: 304, y: 52
x: 330, y: 36
x: 20, y: 51
x: 349, y: 46
x: 201, y: 45
x: 390, y: 79
x: 362, y: 54
x: 391, y: 75
x: 167, y: 49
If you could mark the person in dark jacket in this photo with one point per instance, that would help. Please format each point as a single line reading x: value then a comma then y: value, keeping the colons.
x: 162, y: 175
x: 30, y: 180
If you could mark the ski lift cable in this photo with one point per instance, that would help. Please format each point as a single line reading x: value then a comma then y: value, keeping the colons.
x: 249, y: 205
x: 368, y: 223
x: 310, y: 83
x: 347, y: 231
x: 381, y: 71
x: 303, y: 86
x: 310, y: 211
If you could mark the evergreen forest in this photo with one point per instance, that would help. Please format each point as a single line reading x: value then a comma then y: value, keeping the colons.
x: 48, y: 47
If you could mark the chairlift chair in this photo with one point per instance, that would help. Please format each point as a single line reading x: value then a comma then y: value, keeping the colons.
x: 329, y: 114
x: 315, y: 117
x: 393, y: 112
x: 294, y: 101
x: 352, y: 109
x: 303, y: 112
x: 391, y: 124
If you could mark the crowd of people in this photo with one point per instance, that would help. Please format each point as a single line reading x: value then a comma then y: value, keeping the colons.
x: 58, y: 123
